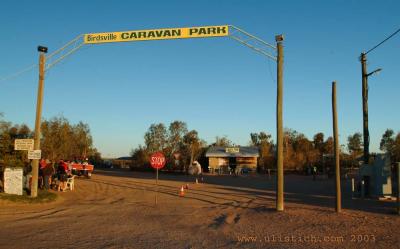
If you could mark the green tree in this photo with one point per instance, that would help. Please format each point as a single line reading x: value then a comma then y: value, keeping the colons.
x: 354, y: 144
x: 289, y: 153
x: 223, y: 141
x: 391, y: 144
x: 254, y: 139
x: 192, y: 146
x: 305, y: 151
x: 319, y: 148
x: 299, y: 152
x: 140, y: 158
x: 8, y: 156
x: 328, y: 146
x: 156, y: 138
x: 82, y: 140
x: 24, y: 132
x: 387, y: 141
x: 61, y: 140
x: 318, y: 142
x: 56, y: 138
x: 260, y: 138
x: 264, y: 143
x: 186, y: 145
x: 177, y: 131
x: 396, y: 149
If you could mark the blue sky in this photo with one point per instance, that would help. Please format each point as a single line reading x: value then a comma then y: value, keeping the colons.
x: 216, y: 85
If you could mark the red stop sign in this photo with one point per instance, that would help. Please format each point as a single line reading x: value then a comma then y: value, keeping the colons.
x: 157, y: 160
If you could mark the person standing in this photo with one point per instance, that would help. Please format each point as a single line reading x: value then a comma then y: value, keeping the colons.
x: 48, y: 172
x: 42, y: 165
x: 69, y: 165
x: 62, y: 170
x: 198, y: 170
x: 314, y: 173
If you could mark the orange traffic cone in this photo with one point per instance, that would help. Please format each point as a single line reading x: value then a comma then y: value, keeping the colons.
x: 187, y: 186
x: 197, y: 181
x: 182, y: 192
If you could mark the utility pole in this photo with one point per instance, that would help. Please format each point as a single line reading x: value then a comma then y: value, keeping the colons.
x: 365, y: 106
x: 36, y: 146
x: 365, y: 75
x: 336, y: 149
x: 398, y: 188
x: 279, y: 125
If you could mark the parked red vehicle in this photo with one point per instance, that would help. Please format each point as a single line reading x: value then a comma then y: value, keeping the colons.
x: 82, y: 169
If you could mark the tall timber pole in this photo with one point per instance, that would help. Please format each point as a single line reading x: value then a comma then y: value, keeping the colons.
x: 336, y: 150
x: 36, y: 146
x: 365, y: 106
x: 279, y: 125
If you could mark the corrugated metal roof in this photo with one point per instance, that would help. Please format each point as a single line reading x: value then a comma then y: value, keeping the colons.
x: 217, y: 151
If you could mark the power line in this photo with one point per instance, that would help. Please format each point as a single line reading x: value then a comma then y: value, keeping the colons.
x: 14, y: 75
x: 76, y: 43
x: 397, y: 31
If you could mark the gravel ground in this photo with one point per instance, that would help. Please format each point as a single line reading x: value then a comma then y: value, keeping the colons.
x: 116, y: 209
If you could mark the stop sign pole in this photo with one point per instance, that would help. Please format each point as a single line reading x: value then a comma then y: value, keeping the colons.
x: 157, y: 161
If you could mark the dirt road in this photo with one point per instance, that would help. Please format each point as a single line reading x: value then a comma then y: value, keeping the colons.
x: 116, y: 209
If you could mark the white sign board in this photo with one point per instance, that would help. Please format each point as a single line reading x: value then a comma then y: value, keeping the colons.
x: 13, y: 181
x: 23, y: 144
x: 34, y: 154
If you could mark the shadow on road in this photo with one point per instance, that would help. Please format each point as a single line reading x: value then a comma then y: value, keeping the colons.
x: 298, y: 190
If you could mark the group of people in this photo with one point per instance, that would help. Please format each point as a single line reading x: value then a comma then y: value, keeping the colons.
x: 54, y: 174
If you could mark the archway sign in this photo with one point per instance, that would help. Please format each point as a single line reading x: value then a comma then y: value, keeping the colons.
x: 230, y: 31
x: 157, y: 34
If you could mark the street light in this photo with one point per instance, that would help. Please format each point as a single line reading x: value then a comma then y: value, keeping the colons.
x: 42, y: 49
x: 376, y: 71
x: 365, y: 76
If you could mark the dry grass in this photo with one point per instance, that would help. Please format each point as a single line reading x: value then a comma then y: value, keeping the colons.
x: 44, y: 196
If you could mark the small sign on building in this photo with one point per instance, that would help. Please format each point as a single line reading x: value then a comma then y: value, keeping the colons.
x: 232, y: 150
x: 13, y: 181
x: 23, y: 144
x: 34, y: 154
